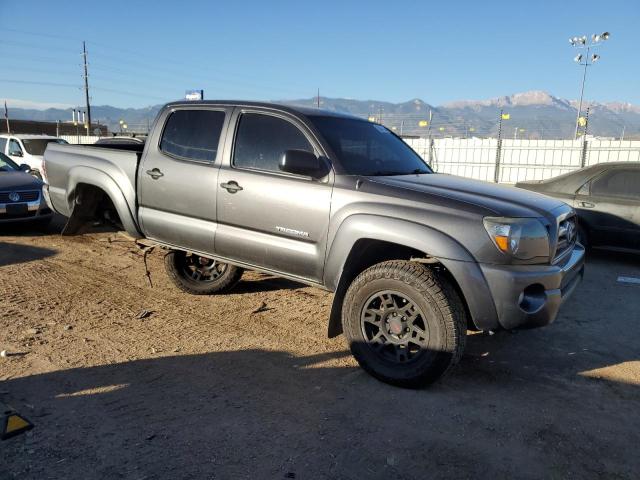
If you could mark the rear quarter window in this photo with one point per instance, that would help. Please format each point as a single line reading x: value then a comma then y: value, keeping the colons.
x: 193, y: 134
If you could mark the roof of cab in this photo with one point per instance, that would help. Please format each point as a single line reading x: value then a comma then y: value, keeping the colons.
x: 294, y: 109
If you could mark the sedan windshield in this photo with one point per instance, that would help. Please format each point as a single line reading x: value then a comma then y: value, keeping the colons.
x: 368, y: 149
x: 37, y: 146
x: 7, y: 165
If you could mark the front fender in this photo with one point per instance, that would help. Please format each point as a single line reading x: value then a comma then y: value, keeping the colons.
x: 434, y: 243
x: 393, y: 230
x: 91, y: 176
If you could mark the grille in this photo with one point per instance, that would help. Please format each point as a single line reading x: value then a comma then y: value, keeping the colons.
x: 29, y: 196
x: 567, y: 233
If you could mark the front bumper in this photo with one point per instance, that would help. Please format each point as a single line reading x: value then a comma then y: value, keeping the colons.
x: 35, y: 210
x: 528, y: 296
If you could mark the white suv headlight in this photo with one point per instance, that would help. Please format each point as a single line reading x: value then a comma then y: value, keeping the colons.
x: 521, y: 238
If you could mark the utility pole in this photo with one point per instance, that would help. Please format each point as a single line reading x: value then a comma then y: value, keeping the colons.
x: 6, y: 117
x: 86, y: 85
x: 318, y: 98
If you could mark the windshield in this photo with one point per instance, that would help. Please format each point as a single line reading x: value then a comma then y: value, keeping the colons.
x: 6, y: 164
x: 37, y: 146
x: 366, y: 148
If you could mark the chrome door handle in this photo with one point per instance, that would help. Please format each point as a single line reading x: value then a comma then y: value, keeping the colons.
x: 155, y: 173
x: 587, y: 204
x: 231, y: 187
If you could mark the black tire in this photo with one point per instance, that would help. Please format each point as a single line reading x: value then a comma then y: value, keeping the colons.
x: 199, y: 275
x: 382, y: 328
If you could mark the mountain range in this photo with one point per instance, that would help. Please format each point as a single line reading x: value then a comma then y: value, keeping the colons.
x: 533, y: 114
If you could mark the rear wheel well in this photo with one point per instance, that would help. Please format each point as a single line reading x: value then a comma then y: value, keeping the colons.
x: 368, y: 252
x: 91, y: 204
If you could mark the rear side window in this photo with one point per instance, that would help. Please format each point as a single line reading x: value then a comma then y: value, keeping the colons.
x: 262, y: 139
x: 3, y: 144
x: 618, y: 183
x: 193, y: 134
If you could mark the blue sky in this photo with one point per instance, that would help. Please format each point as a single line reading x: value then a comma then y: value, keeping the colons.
x: 144, y: 53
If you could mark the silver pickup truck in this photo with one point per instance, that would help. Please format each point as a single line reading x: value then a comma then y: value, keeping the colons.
x: 414, y: 257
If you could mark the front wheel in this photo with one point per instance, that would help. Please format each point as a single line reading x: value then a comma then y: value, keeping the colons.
x: 405, y: 325
x: 198, y: 275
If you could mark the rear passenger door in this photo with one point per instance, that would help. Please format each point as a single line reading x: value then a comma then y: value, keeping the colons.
x: 612, y: 208
x: 178, y: 176
x: 266, y: 217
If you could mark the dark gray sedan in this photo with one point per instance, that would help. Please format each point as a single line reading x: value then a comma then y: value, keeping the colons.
x: 607, y: 199
x: 21, y: 198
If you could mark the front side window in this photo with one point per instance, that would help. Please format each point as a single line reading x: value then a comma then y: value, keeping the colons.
x: 14, y: 148
x: 3, y: 144
x: 618, y: 183
x: 6, y: 164
x: 193, y: 134
x: 37, y: 146
x: 262, y: 140
x: 366, y: 148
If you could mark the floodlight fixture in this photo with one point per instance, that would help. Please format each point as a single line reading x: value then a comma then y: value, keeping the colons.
x: 586, y: 60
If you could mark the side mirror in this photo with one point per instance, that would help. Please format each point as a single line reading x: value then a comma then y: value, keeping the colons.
x: 301, y: 162
x: 25, y: 168
x: 16, y: 154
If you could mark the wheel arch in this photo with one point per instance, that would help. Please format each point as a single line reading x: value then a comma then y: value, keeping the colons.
x: 364, y: 240
x: 86, y: 188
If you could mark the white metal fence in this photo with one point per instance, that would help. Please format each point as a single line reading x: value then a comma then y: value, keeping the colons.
x: 510, y: 161
x: 507, y: 160
x: 80, y: 139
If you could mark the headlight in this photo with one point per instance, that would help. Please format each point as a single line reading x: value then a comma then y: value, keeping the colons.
x: 522, y: 238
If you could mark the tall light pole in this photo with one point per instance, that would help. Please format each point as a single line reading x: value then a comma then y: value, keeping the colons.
x: 586, y: 61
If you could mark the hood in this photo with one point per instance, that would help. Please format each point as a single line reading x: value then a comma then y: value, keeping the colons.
x: 496, y: 200
x: 18, y: 181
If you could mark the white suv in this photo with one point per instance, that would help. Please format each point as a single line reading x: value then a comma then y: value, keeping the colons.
x: 27, y: 149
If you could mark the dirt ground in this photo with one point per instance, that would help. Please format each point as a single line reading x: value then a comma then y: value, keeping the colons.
x: 210, y: 387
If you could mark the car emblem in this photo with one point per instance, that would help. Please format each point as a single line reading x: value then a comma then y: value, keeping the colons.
x: 571, y: 231
x: 14, y: 196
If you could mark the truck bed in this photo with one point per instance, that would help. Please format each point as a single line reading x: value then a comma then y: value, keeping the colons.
x: 68, y: 165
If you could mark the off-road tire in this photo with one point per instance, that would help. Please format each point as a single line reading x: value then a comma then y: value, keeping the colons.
x: 174, y: 263
x: 444, y: 321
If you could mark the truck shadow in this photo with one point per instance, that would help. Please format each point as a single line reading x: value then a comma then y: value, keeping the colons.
x: 13, y: 253
x: 265, y: 414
